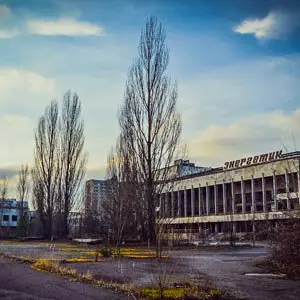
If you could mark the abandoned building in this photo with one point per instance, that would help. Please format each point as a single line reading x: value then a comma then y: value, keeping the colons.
x: 241, y: 195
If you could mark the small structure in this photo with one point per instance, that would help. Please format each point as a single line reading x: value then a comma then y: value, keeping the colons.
x: 10, y: 210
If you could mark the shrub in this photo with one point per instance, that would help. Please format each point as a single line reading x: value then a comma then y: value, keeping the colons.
x: 22, y: 227
x: 285, y: 247
x: 46, y: 265
x: 105, y: 252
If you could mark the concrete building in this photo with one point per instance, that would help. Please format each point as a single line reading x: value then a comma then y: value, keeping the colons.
x: 181, y: 168
x: 10, y: 212
x: 96, y: 191
x: 240, y: 194
x: 9, y: 215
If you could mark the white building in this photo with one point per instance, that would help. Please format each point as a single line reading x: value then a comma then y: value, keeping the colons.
x: 241, y: 193
x: 10, y: 212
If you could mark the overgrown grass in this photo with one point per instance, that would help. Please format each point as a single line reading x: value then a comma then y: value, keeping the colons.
x: 46, y: 265
x: 52, y: 266
x: 187, y: 292
x: 155, y: 293
x: 80, y: 260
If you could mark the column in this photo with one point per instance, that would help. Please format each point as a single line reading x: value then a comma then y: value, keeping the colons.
x: 263, y: 192
x: 178, y: 204
x: 243, y: 195
x: 224, y: 198
x: 298, y: 180
x: 166, y: 205
x: 192, y: 202
x: 287, y: 190
x: 216, y: 227
x: 253, y: 206
x: 172, y: 204
x: 199, y: 199
x: 160, y: 206
x: 185, y: 201
x: 234, y: 227
x: 215, y: 197
x: 207, y: 199
x: 232, y: 196
x: 275, y: 191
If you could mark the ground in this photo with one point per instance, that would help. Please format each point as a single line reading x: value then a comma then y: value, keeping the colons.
x: 225, y: 268
x: 21, y: 282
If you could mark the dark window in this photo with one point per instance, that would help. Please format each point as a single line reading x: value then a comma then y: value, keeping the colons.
x: 14, y: 218
x: 5, y: 218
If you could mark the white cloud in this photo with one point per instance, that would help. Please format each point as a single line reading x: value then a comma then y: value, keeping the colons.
x: 4, y: 11
x: 17, y: 79
x: 63, y: 27
x: 16, y: 136
x: 275, y: 25
x: 24, y: 92
x: 9, y: 33
x: 251, y: 135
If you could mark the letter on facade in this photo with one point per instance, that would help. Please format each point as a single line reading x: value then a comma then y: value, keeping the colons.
x: 271, y: 155
x: 226, y: 166
x: 263, y: 157
x: 231, y: 164
x: 278, y: 154
x: 243, y: 160
x: 255, y: 159
x: 249, y: 160
x: 237, y: 163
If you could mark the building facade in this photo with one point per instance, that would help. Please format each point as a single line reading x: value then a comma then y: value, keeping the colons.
x: 10, y: 212
x: 96, y: 191
x: 241, y: 194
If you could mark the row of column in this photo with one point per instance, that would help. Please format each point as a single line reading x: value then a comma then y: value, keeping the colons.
x: 164, y: 198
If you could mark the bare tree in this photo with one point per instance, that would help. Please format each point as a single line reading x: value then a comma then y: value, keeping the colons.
x: 3, y: 194
x: 149, y: 122
x: 23, y: 185
x: 118, y: 207
x: 73, y: 157
x: 3, y: 188
x: 46, y: 171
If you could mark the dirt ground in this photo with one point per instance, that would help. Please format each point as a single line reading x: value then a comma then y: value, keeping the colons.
x: 225, y: 269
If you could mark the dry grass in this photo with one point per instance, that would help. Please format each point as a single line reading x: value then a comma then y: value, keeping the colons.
x: 80, y: 260
x: 185, y: 292
x: 52, y: 266
x: 137, y: 253
x: 46, y: 265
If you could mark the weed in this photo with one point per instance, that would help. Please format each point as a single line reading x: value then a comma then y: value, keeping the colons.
x: 46, y: 265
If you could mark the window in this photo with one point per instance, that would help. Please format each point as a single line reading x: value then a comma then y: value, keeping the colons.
x: 5, y: 218
x: 14, y: 218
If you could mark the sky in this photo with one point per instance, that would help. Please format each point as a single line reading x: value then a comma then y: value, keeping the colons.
x: 237, y: 65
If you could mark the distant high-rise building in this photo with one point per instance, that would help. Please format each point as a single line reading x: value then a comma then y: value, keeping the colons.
x: 96, y: 191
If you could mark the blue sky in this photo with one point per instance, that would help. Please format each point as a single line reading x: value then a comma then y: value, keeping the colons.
x: 237, y: 64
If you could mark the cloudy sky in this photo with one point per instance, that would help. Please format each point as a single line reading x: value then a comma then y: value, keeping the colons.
x: 237, y: 64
